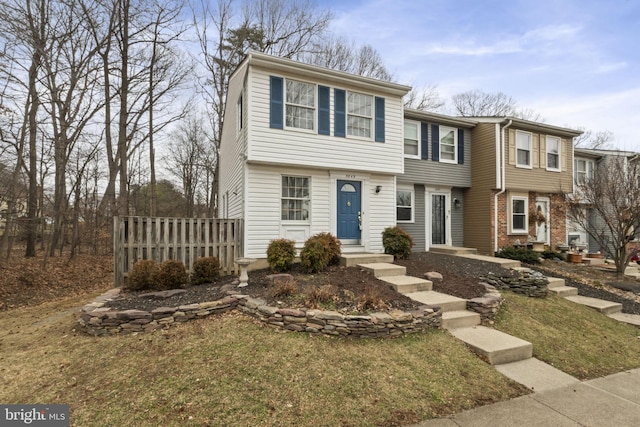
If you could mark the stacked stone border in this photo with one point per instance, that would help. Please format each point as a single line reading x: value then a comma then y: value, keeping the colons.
x: 488, y: 305
x: 98, y: 320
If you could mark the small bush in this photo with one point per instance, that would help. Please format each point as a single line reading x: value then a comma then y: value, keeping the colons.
x: 280, y: 255
x: 142, y: 275
x: 332, y: 246
x: 205, y: 270
x: 550, y: 254
x: 172, y: 275
x: 397, y: 242
x: 314, y: 256
x: 371, y: 299
x: 520, y: 254
x: 283, y: 288
x: 322, y: 295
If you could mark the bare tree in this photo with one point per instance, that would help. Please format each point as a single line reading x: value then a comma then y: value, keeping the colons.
x: 476, y: 103
x: 426, y: 98
x: 607, y: 206
x: 286, y: 28
x: 602, y: 140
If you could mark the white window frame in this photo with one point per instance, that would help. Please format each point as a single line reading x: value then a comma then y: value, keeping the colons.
x: 529, y: 148
x: 411, y: 123
x: 589, y: 166
x: 443, y: 131
x: 360, y: 115
x: 412, y: 206
x: 524, y: 230
x: 302, y: 199
x: 313, y: 108
x: 239, y: 114
x: 558, y: 154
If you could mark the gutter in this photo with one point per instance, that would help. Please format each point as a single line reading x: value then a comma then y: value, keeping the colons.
x: 502, y: 187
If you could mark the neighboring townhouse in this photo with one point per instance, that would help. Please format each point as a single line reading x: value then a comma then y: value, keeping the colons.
x: 430, y: 194
x: 518, y: 170
x: 587, y: 163
x: 306, y: 150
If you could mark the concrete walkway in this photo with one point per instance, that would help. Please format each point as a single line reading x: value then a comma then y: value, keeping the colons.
x: 609, y: 401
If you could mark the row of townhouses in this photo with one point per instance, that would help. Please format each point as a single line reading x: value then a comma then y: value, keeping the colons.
x: 307, y: 149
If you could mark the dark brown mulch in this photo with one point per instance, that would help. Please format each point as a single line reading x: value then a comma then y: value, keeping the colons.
x: 355, y: 289
x: 460, y: 275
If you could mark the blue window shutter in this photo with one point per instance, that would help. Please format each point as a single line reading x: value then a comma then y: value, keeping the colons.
x: 461, y: 146
x: 424, y: 141
x: 276, y: 113
x: 339, y: 112
x: 435, y: 143
x: 379, y: 132
x: 324, y: 127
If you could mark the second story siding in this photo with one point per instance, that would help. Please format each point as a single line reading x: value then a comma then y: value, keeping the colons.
x: 429, y: 159
x: 307, y: 116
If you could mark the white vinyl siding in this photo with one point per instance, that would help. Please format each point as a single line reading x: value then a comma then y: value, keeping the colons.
x: 290, y: 148
x: 523, y: 149
x: 412, y: 139
x: 553, y: 153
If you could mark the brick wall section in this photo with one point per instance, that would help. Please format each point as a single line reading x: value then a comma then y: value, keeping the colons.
x: 557, y: 221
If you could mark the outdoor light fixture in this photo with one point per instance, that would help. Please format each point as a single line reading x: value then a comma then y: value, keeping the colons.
x: 378, y: 188
x: 457, y: 203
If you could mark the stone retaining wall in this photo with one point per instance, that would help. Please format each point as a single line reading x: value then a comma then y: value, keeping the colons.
x: 529, y: 283
x: 487, y: 305
x: 96, y: 319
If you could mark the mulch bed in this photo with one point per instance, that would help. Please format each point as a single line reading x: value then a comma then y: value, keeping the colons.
x: 350, y: 289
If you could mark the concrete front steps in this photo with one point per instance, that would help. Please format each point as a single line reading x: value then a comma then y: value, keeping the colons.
x: 353, y: 259
x: 603, y: 306
x: 557, y: 286
x: 454, y: 310
x: 493, y: 346
x: 452, y: 250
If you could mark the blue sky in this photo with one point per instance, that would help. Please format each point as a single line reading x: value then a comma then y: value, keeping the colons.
x: 576, y: 62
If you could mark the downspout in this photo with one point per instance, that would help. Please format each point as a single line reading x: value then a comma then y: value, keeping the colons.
x: 502, y: 187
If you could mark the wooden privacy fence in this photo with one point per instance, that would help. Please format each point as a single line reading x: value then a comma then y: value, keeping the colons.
x: 182, y: 239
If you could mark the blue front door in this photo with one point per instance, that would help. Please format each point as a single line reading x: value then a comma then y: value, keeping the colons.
x: 349, y: 211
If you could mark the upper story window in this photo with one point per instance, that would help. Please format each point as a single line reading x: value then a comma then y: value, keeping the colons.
x: 448, y: 145
x: 404, y: 205
x: 523, y: 149
x: 300, y: 105
x: 582, y: 170
x: 239, y: 116
x: 359, y: 114
x: 295, y: 198
x: 412, y: 139
x: 553, y: 153
x: 519, y: 214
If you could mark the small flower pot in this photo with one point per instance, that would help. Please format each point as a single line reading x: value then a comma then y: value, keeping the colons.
x: 575, y: 258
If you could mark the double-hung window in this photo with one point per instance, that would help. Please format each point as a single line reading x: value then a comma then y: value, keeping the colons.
x: 582, y: 170
x: 448, y: 145
x: 404, y: 205
x: 553, y: 153
x: 359, y: 114
x: 295, y: 198
x: 523, y: 149
x: 300, y: 109
x: 412, y: 139
x: 519, y: 214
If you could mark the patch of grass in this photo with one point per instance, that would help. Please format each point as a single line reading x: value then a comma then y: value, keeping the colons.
x: 230, y: 370
x: 573, y: 338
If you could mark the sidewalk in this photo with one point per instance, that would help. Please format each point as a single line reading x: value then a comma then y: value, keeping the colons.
x: 609, y: 401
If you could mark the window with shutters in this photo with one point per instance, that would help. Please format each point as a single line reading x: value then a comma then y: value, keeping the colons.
x: 448, y: 144
x: 359, y: 114
x: 300, y: 110
x: 523, y: 149
x: 412, y: 139
x: 553, y: 154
